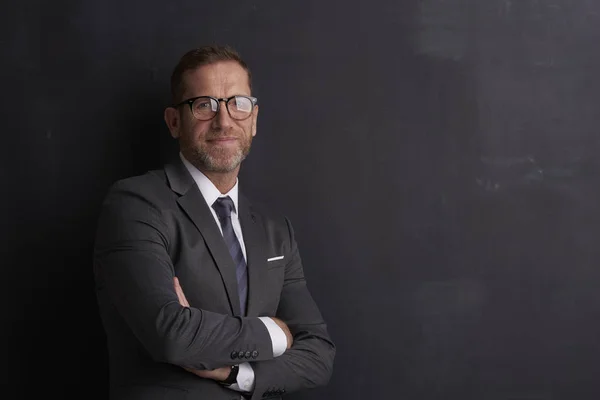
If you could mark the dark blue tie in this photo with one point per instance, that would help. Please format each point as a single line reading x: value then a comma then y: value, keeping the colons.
x: 223, y: 206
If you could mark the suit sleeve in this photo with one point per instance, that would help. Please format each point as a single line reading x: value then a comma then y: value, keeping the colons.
x: 309, y: 362
x: 134, y: 274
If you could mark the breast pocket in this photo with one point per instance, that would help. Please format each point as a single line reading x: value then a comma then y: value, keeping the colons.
x: 275, y: 262
x: 275, y: 265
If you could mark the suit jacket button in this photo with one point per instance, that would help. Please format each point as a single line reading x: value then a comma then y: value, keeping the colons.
x: 234, y: 355
x: 254, y: 354
x: 241, y: 354
x: 248, y: 354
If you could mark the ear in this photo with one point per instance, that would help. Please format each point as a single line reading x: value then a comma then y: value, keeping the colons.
x: 254, y: 120
x: 172, y: 120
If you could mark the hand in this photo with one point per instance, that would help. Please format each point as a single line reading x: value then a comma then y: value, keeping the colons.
x: 286, y: 330
x: 219, y: 374
x: 182, y: 300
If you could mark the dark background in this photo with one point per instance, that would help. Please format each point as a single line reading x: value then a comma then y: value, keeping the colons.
x: 438, y: 159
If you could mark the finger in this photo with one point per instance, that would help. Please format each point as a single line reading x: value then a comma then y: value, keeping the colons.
x: 200, y: 373
x: 180, y: 295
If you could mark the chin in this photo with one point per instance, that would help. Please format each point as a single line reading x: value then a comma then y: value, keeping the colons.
x: 222, y: 166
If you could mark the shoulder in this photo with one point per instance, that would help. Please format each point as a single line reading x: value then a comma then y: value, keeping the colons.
x: 151, y: 180
x: 150, y: 188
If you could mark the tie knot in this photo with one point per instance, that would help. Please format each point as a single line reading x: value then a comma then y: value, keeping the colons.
x: 223, y: 206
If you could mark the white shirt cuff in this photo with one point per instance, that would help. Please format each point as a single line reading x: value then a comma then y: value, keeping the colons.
x: 278, y: 338
x: 245, y: 379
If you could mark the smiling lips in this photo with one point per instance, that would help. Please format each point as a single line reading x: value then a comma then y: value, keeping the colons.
x: 228, y: 139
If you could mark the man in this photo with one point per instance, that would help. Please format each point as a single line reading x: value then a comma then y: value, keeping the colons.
x: 202, y: 294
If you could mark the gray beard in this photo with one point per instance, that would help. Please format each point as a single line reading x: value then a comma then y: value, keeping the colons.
x: 219, y: 162
x: 214, y: 164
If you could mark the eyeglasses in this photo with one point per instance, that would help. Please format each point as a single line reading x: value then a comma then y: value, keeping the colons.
x: 205, y: 108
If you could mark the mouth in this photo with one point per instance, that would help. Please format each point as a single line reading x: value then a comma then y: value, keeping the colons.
x: 224, y: 139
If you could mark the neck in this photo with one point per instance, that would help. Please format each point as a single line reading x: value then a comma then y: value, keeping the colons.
x: 224, y: 181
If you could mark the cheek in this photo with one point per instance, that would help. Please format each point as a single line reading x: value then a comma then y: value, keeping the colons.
x: 248, y: 128
x: 193, y: 130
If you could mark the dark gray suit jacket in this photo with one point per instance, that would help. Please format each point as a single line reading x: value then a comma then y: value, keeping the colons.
x: 156, y: 226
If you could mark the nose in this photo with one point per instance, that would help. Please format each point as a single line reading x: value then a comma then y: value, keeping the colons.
x: 222, y: 119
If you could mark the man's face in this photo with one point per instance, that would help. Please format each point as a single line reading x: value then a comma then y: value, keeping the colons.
x: 222, y: 143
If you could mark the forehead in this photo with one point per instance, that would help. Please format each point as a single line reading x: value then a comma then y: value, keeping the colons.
x: 221, y: 79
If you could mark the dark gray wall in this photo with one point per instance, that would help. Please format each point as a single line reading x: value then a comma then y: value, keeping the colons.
x: 438, y: 159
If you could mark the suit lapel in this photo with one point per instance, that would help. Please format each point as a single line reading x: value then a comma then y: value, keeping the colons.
x: 194, y: 205
x: 255, y: 243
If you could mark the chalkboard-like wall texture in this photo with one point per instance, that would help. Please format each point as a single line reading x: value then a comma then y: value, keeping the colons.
x: 438, y: 158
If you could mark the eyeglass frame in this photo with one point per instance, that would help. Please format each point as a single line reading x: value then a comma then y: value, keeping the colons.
x: 191, y: 101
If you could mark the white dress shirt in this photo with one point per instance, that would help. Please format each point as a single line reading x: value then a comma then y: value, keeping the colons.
x: 245, y: 378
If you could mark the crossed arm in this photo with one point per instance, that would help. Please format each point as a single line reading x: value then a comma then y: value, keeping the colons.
x: 136, y: 272
x: 221, y: 373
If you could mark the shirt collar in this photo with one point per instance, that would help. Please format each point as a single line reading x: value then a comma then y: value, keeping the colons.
x: 207, y: 188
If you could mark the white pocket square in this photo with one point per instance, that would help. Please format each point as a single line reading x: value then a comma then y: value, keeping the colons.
x: 275, y: 258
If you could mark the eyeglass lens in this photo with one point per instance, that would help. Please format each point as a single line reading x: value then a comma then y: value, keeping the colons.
x: 239, y: 107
